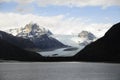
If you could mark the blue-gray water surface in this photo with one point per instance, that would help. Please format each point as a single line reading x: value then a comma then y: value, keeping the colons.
x: 59, y: 71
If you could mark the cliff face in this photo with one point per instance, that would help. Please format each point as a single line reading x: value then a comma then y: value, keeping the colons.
x: 104, y: 49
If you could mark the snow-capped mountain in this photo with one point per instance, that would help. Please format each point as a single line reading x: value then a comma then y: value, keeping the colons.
x: 40, y: 36
x: 85, y: 38
x: 33, y: 30
x: 30, y: 30
x: 86, y: 35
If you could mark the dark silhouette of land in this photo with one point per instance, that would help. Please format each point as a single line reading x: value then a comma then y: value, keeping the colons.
x: 11, y: 52
x: 105, y: 49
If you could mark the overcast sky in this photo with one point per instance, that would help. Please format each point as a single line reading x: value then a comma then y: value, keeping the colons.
x: 61, y: 16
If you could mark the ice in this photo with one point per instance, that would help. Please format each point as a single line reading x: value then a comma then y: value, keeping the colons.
x: 60, y: 52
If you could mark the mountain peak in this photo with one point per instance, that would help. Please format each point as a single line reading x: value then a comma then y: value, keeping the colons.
x: 87, y: 35
x: 31, y: 26
x: 39, y: 36
x: 30, y: 30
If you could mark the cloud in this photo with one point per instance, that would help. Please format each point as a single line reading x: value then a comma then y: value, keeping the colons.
x: 57, y: 24
x: 11, y: 20
x: 69, y: 3
x: 24, y: 1
x: 18, y: 1
x: 79, y: 3
x: 24, y: 8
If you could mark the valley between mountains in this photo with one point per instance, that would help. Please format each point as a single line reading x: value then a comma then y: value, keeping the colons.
x: 36, y: 43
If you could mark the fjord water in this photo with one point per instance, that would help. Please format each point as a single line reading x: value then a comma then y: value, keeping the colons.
x: 59, y: 71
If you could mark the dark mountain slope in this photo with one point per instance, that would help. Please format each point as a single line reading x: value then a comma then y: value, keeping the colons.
x: 17, y: 41
x: 11, y: 52
x: 106, y: 48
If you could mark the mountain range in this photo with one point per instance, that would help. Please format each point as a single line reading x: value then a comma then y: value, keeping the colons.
x: 105, y: 49
x: 39, y: 37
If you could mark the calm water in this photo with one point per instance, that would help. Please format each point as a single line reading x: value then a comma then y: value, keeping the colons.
x: 59, y: 71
